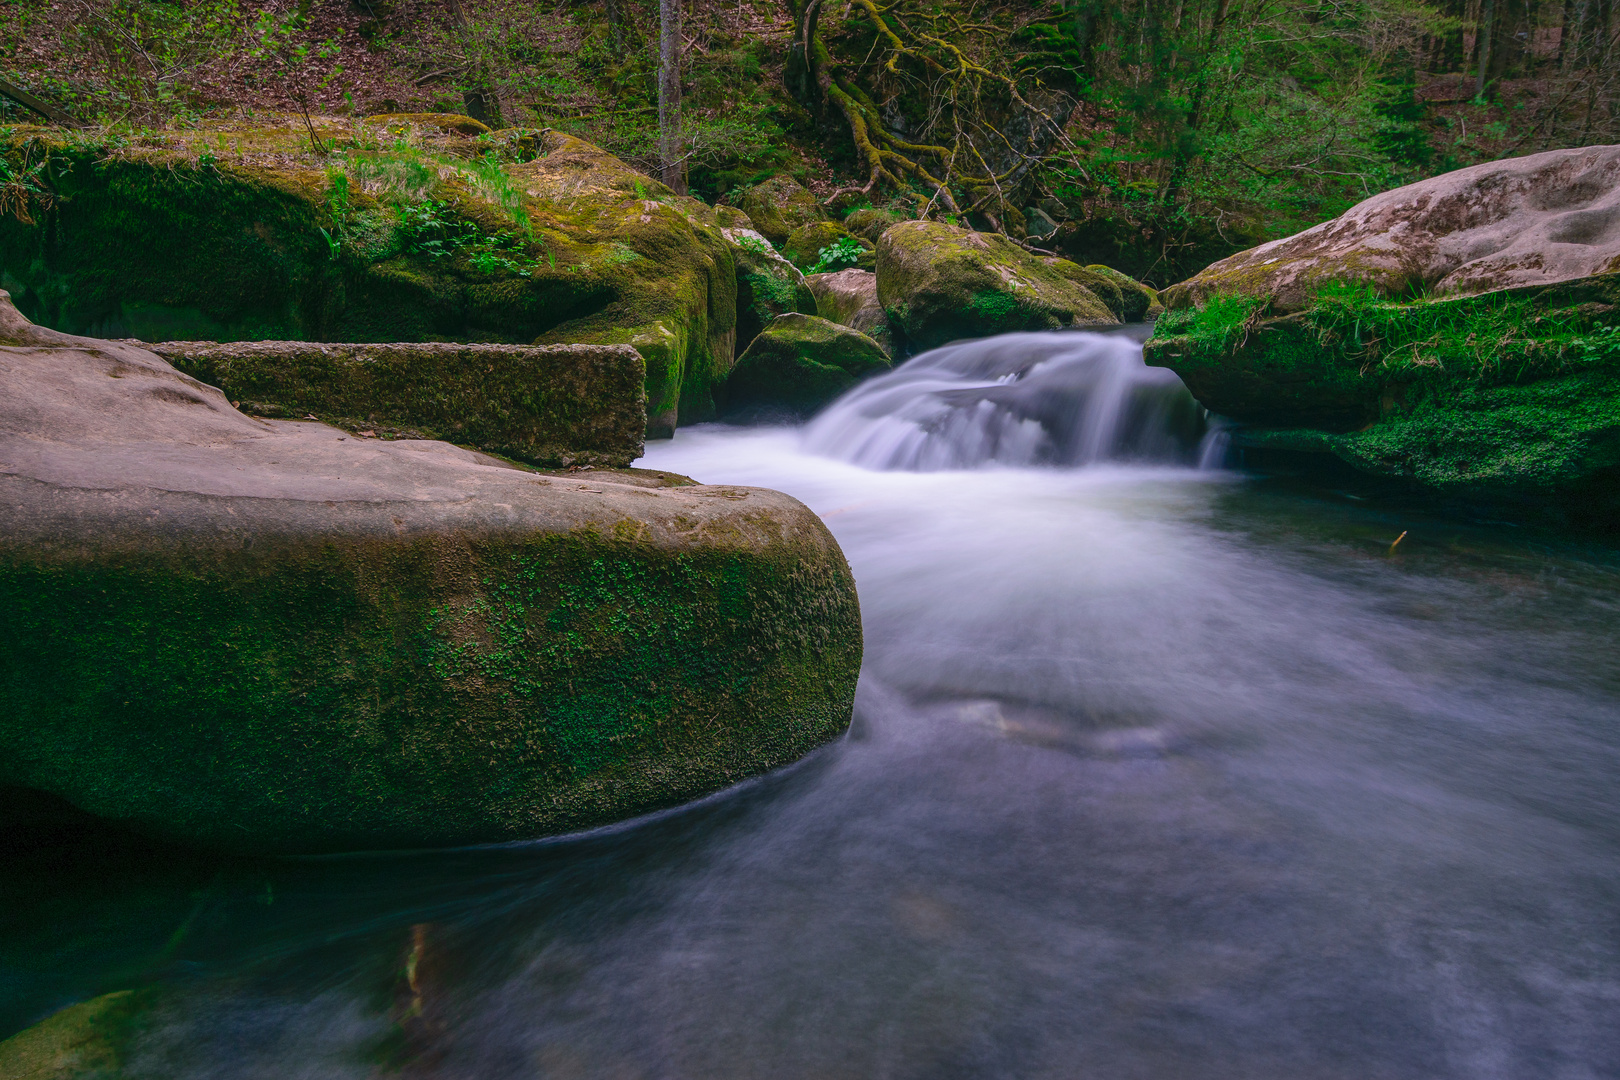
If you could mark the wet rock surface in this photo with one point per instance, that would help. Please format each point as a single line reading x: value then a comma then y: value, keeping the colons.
x: 796, y: 366
x: 272, y: 636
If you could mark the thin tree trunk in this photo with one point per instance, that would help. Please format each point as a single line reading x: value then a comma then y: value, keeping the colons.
x: 1484, y: 38
x: 670, y: 158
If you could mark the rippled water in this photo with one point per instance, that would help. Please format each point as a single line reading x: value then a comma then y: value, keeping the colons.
x: 1156, y: 773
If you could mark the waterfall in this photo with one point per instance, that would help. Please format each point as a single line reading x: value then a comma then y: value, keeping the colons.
x: 1065, y: 398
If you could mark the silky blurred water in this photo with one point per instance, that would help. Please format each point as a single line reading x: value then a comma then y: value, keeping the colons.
x: 1155, y: 773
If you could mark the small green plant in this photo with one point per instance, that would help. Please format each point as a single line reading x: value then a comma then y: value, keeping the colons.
x: 757, y: 244
x: 843, y: 252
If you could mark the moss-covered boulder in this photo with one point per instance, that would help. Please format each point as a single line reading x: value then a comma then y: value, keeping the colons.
x: 767, y: 284
x: 805, y: 247
x: 1511, y: 394
x: 869, y: 223
x: 234, y: 233
x: 272, y: 636
x: 1532, y: 220
x: 778, y: 206
x: 849, y: 298
x: 1138, y: 302
x: 543, y: 404
x: 939, y: 283
x: 799, y: 364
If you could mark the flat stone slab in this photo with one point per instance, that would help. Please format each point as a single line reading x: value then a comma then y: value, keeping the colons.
x: 543, y: 404
x: 274, y: 636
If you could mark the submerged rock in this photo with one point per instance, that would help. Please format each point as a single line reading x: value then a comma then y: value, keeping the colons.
x: 850, y: 298
x: 767, y: 284
x: 780, y: 205
x: 1532, y: 220
x: 271, y: 636
x: 799, y: 364
x: 565, y: 245
x: 939, y: 283
x: 88, y: 1040
x: 544, y: 404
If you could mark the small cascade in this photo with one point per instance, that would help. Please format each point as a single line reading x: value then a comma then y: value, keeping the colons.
x: 1065, y: 398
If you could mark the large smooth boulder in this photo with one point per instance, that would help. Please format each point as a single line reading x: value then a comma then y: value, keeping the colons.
x: 557, y: 242
x: 767, y: 284
x: 544, y: 404
x: 1137, y: 302
x: 778, y: 206
x: 1533, y: 220
x: 939, y: 283
x: 850, y: 298
x: 272, y: 636
x: 799, y: 364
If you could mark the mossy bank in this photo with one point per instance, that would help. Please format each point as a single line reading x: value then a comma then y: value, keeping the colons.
x: 1510, y: 395
x: 395, y: 234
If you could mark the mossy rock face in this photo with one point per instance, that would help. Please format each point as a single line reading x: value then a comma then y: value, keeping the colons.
x: 804, y: 247
x: 451, y: 122
x: 87, y: 1041
x: 767, y: 284
x: 1509, y: 394
x: 236, y: 234
x: 870, y: 223
x: 1533, y: 220
x: 1138, y: 302
x: 273, y: 637
x: 543, y: 404
x: 798, y: 365
x: 939, y: 283
x: 780, y: 205
x: 849, y: 298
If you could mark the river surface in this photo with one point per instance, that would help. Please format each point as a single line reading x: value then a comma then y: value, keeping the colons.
x: 1157, y: 771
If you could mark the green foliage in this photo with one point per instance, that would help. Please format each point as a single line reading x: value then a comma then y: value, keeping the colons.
x: 844, y: 252
x: 756, y: 244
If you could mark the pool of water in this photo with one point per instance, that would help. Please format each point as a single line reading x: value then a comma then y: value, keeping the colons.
x: 1156, y: 772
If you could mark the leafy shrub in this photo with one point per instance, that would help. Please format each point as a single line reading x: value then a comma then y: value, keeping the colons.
x: 840, y: 254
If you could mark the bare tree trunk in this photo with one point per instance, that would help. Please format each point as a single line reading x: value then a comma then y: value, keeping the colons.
x: 1484, y: 38
x: 670, y: 159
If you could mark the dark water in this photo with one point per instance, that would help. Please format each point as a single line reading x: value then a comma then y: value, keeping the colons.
x: 1156, y: 773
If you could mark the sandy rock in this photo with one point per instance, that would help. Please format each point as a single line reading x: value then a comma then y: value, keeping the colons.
x: 273, y: 636
x: 1532, y: 220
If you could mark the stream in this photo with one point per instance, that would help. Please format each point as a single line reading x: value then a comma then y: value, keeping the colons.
x: 1158, y: 770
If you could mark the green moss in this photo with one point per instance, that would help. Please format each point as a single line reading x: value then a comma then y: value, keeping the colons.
x: 328, y: 695
x: 797, y: 365
x: 1511, y: 392
x: 386, y: 243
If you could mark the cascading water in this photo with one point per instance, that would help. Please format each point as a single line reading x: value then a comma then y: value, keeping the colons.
x: 1063, y: 398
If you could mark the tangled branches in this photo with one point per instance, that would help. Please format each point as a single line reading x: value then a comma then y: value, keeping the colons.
x: 953, y: 112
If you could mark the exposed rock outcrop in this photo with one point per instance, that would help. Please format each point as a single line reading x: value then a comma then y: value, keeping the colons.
x: 850, y: 298
x: 1532, y: 220
x: 797, y: 365
x: 938, y: 283
x: 272, y: 636
x: 544, y: 404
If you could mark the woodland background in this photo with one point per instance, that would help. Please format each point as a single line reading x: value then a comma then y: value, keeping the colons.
x: 1152, y: 136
